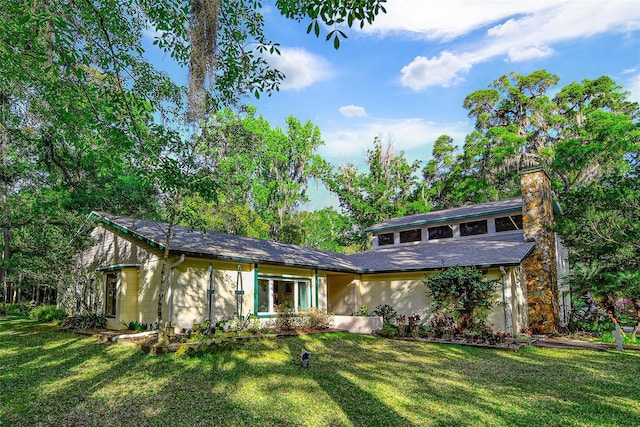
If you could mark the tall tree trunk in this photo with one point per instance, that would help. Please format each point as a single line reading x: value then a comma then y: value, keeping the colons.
x: 163, y: 271
x: 4, y: 191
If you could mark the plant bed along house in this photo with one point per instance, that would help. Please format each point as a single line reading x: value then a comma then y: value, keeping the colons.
x: 204, y: 337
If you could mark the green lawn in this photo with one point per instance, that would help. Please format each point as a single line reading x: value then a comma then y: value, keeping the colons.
x: 50, y: 377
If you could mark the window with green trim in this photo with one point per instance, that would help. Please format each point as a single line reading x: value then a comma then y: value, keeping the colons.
x: 281, y: 294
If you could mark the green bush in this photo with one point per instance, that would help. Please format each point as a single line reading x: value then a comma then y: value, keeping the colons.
x: 86, y: 321
x: 463, y: 292
x: 363, y: 311
x: 388, y: 331
x: 387, y: 312
x: 134, y: 325
x: 20, y: 309
x: 47, y: 313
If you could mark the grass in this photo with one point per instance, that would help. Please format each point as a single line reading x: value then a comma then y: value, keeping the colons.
x: 50, y: 377
x: 608, y: 338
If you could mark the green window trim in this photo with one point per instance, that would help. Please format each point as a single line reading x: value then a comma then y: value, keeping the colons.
x: 294, y: 291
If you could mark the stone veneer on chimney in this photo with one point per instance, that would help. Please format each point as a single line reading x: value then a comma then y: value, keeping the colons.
x: 540, y: 265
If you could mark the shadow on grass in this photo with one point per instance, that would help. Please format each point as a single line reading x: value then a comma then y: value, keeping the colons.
x: 57, y: 378
x: 359, y: 405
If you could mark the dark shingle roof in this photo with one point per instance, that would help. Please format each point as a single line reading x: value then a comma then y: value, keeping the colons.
x: 501, y: 206
x: 228, y: 247
x: 495, y: 250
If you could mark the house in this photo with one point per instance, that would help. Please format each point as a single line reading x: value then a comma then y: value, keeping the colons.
x: 215, y: 275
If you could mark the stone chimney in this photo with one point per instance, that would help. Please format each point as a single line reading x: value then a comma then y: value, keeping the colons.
x: 540, y: 265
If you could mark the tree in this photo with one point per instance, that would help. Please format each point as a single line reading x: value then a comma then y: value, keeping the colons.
x: 579, y: 135
x: 435, y: 188
x: 386, y: 191
x: 266, y: 169
x: 78, y: 69
x: 325, y: 229
x: 600, y: 226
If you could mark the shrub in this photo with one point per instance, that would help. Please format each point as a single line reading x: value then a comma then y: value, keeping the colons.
x: 315, y: 319
x: 47, y: 313
x: 85, y: 321
x: 387, y: 312
x: 441, y: 326
x: 388, y: 331
x: 287, y: 319
x: 463, y: 291
x: 363, y: 311
x: 20, y: 309
x: 134, y: 325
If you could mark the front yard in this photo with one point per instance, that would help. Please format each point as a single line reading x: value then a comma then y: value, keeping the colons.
x: 51, y: 377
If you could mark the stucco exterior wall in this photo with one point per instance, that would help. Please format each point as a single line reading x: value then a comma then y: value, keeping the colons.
x: 341, y: 294
x: 189, y: 299
x: 407, y: 293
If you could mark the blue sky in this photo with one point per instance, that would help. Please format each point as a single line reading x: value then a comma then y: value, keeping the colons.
x: 405, y: 77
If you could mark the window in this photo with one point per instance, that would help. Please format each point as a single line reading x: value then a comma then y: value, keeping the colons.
x: 276, y: 294
x: 472, y: 228
x: 508, y: 223
x: 111, y: 293
x: 411, y: 235
x: 385, y: 239
x: 441, y: 232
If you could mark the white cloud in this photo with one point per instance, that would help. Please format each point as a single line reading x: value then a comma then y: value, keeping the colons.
x: 445, y: 71
x: 518, y: 54
x: 301, y: 68
x: 633, y: 86
x: 446, y: 20
x: 410, y: 134
x: 352, y: 111
x: 518, y: 31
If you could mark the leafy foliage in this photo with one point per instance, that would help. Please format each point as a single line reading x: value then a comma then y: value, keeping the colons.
x: 386, y: 191
x: 462, y: 292
x: 601, y: 229
x: 19, y: 309
x: 47, y: 313
x: 387, y: 312
x: 363, y: 311
x: 579, y: 135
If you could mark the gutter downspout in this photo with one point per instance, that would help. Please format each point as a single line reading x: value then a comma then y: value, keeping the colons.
x: 170, y: 287
x: 507, y: 297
